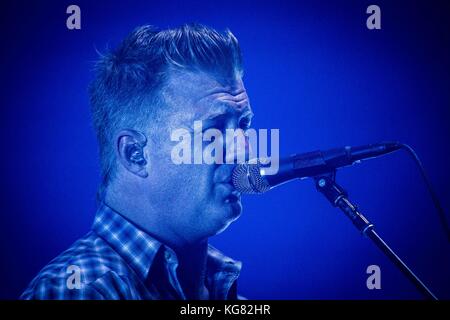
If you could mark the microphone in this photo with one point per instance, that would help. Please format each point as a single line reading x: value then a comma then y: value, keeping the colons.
x: 251, y: 177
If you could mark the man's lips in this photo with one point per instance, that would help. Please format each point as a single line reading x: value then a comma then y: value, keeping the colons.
x: 234, y: 196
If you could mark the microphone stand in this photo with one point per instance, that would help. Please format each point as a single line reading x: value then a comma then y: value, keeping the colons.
x: 339, y: 198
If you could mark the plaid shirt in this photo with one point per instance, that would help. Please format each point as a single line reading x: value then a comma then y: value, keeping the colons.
x: 117, y: 260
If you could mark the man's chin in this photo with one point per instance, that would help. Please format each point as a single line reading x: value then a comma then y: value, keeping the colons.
x: 228, y: 213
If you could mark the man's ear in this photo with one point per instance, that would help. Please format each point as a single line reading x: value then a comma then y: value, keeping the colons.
x: 130, y: 151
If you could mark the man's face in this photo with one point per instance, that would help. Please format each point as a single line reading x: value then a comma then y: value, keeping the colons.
x: 197, y: 200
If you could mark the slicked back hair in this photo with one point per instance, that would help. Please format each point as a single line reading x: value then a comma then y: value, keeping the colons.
x: 125, y: 91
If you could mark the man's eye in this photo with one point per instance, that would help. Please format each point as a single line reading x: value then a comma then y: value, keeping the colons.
x: 244, y: 123
x: 217, y: 126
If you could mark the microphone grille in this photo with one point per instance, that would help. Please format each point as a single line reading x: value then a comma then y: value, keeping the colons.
x: 247, y: 178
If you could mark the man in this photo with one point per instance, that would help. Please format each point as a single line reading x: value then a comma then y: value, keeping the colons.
x: 150, y: 236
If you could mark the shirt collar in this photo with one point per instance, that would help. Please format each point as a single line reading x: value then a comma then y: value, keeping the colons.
x: 139, y: 249
x: 135, y: 246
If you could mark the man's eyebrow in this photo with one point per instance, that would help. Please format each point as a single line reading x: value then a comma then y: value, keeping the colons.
x: 213, y: 115
x: 222, y: 108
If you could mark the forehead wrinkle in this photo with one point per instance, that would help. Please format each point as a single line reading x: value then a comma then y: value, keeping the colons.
x: 181, y: 93
x: 225, y: 93
x: 206, y: 95
x: 192, y: 85
x: 236, y: 100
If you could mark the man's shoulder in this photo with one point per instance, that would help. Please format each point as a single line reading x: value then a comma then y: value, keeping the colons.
x: 73, y: 273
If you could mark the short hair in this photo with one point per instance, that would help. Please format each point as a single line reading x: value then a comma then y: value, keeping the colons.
x: 125, y: 91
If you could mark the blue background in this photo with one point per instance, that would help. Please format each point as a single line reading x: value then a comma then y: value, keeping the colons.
x: 312, y: 69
